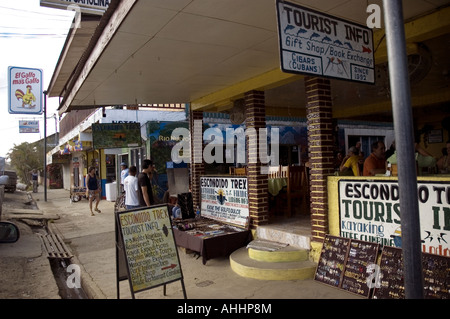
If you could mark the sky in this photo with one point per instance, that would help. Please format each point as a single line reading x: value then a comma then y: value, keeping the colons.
x: 31, y: 36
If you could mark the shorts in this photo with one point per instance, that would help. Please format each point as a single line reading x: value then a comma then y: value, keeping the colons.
x: 93, y: 193
x: 131, y: 206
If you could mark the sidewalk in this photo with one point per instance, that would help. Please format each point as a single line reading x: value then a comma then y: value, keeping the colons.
x: 92, y: 241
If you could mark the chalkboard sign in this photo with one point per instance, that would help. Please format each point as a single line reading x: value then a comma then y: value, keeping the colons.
x: 149, y: 246
x: 332, y: 260
x: 360, y: 255
x: 391, y: 275
x: 436, y: 275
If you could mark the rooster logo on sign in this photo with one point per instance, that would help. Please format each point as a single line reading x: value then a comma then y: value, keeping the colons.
x: 27, y: 98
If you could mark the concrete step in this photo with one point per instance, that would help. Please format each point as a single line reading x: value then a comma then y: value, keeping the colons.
x: 268, y: 251
x: 245, y: 266
x: 291, y: 234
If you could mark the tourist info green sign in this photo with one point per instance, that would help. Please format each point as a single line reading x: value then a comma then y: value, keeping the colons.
x: 318, y: 44
x: 116, y: 135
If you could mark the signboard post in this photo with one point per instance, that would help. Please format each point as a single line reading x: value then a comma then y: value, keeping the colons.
x: 25, y: 91
x: 321, y: 45
x: 151, y: 258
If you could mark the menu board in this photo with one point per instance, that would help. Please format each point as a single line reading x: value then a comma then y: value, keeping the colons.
x: 436, y: 275
x: 332, y: 259
x: 150, y: 251
x: 360, y: 255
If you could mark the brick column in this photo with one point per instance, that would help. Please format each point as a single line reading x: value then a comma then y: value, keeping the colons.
x: 255, y: 111
x: 320, y: 143
x: 197, y: 164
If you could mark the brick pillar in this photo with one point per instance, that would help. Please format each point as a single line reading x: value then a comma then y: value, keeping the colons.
x: 320, y: 143
x: 257, y: 182
x: 197, y: 164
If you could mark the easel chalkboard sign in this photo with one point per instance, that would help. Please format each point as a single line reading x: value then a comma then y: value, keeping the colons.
x: 436, y: 275
x: 332, y: 259
x: 146, y: 245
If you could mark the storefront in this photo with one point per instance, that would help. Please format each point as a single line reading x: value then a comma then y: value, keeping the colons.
x: 224, y: 62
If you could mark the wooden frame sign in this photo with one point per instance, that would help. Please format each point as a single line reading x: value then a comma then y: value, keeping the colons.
x: 149, y: 247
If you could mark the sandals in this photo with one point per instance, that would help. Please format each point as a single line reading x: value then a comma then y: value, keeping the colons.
x: 97, y: 210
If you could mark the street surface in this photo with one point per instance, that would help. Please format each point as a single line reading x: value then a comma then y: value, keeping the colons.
x: 26, y: 272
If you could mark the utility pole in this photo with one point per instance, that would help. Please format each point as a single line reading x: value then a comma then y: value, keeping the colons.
x: 45, y: 145
x: 404, y: 142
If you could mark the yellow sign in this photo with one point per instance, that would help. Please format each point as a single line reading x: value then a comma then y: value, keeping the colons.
x: 150, y: 250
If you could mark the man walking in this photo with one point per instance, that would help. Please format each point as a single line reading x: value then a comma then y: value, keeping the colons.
x: 131, y: 188
x: 145, y: 190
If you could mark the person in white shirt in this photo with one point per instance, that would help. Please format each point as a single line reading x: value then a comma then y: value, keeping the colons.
x: 130, y: 185
x: 123, y: 174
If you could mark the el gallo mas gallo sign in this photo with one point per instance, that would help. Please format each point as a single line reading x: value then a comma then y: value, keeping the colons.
x: 25, y: 90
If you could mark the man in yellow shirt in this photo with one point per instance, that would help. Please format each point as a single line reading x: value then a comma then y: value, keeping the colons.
x: 350, y: 162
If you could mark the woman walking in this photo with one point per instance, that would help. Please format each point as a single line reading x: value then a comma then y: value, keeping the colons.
x: 93, y: 189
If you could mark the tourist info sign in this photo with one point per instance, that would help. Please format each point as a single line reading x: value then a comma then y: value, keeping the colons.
x: 318, y: 44
x: 149, y: 245
x: 24, y: 90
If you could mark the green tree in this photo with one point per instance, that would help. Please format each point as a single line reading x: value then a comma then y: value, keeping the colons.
x: 24, y: 158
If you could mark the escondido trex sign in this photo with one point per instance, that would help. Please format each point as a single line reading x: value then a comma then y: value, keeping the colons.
x: 370, y: 211
x: 318, y: 44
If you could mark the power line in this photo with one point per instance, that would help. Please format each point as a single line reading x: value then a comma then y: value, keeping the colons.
x: 33, y: 35
x: 35, y: 12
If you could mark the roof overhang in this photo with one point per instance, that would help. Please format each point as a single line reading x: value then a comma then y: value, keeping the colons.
x: 77, y: 42
x: 210, y: 53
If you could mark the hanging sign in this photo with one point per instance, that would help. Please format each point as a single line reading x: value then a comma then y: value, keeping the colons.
x: 25, y: 90
x: 116, y: 135
x: 97, y: 7
x: 318, y: 44
x: 28, y: 126
x: 149, y: 245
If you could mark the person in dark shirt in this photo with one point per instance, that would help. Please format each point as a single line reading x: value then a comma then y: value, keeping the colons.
x: 145, y: 191
x: 93, y: 189
x: 34, y: 178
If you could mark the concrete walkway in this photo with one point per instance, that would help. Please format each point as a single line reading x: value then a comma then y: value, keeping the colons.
x: 92, y: 241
